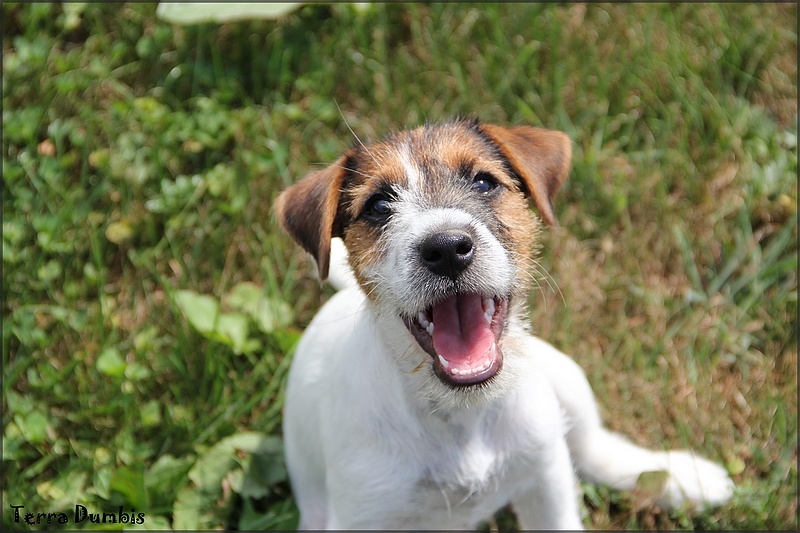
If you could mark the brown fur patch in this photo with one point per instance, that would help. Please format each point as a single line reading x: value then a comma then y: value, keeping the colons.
x: 309, y: 210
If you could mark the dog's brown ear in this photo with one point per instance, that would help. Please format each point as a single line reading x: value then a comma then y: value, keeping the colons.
x: 308, y: 211
x: 539, y: 157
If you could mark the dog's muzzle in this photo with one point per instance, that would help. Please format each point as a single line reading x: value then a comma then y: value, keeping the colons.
x: 461, y: 331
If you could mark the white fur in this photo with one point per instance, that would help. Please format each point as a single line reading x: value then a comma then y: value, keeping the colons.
x: 397, y: 276
x: 409, y: 168
x: 374, y: 440
x: 340, y: 276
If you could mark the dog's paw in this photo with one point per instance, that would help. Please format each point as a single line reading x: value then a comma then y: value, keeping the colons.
x: 695, y: 481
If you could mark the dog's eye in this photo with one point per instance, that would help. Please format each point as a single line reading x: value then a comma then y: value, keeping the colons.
x: 378, y: 208
x: 483, y: 182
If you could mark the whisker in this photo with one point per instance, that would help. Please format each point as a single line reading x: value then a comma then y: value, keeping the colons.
x: 540, y: 269
x: 368, y: 176
x: 353, y: 133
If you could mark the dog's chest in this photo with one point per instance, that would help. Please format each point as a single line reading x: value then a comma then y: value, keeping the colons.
x: 465, y: 462
x: 470, y: 473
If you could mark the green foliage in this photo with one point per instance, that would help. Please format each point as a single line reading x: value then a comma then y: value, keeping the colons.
x: 150, y: 303
x: 240, y: 469
x: 232, y: 329
x: 246, y: 465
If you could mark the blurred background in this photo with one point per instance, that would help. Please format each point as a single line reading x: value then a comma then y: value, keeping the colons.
x: 151, y: 303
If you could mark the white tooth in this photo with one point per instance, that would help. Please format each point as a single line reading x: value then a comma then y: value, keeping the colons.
x: 488, y: 308
x: 422, y: 319
x: 429, y: 328
x: 444, y: 362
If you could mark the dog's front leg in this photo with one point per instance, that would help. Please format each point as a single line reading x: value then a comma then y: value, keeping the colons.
x: 551, y: 502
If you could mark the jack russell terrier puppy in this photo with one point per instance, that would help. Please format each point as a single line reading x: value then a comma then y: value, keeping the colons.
x: 417, y: 397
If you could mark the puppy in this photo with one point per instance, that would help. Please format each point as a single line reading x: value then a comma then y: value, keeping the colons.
x: 417, y: 397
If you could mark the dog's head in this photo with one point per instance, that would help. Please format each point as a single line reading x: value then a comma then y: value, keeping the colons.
x: 438, y: 230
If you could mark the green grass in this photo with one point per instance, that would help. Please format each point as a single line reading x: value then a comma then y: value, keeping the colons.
x: 150, y: 302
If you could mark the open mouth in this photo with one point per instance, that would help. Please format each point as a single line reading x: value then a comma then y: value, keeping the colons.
x: 462, y: 333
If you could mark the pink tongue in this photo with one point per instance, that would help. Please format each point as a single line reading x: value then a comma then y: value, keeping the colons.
x: 460, y: 332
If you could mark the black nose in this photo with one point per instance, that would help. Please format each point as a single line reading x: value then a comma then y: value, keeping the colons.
x: 447, y: 253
